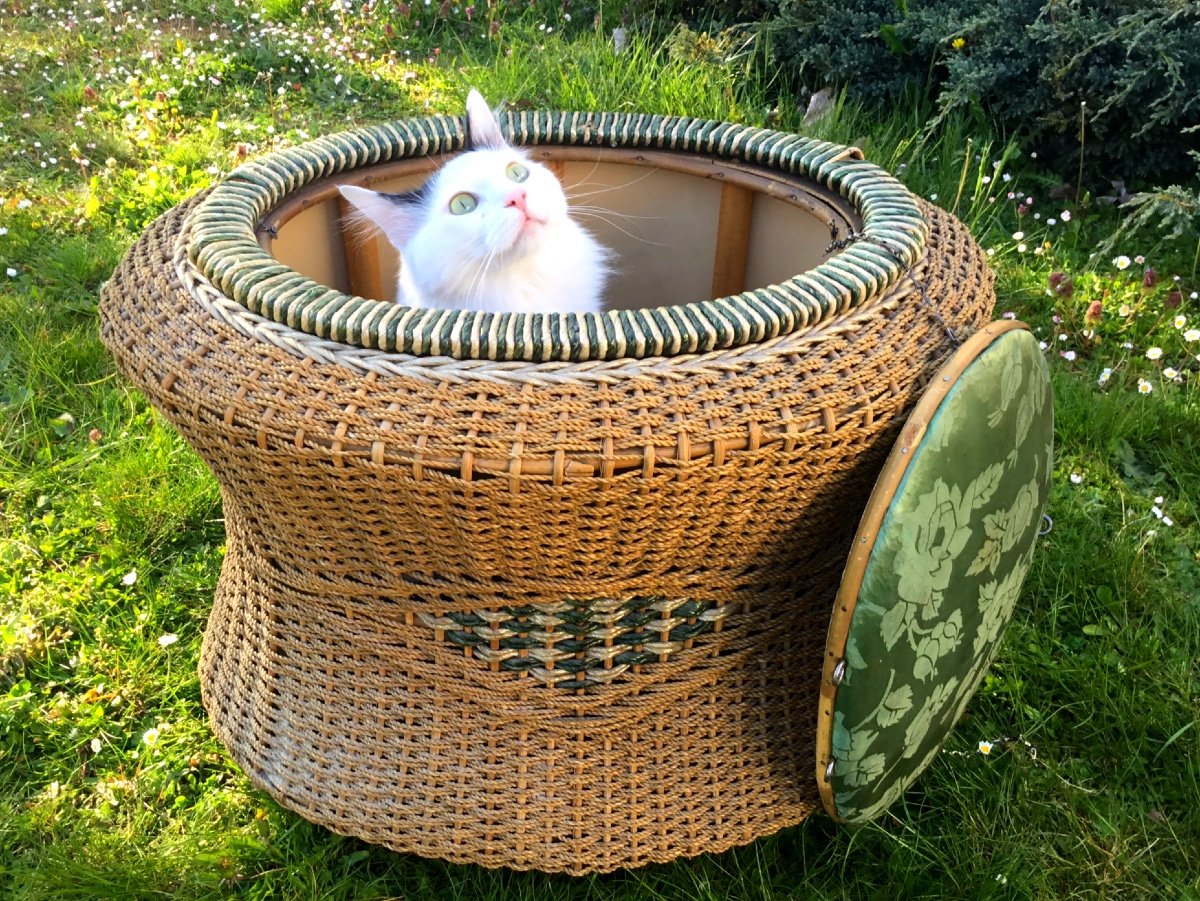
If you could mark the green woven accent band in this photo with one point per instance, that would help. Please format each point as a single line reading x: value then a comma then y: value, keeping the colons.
x: 578, y: 644
x: 225, y: 249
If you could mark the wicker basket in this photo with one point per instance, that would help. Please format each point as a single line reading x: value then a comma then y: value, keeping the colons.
x: 542, y: 592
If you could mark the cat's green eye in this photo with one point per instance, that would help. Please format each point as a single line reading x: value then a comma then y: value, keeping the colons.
x: 462, y: 203
x: 516, y: 172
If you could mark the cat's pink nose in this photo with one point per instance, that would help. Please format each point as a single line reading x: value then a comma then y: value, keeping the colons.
x: 517, y: 199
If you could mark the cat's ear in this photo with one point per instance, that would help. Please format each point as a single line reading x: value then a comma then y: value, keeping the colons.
x: 483, y: 131
x: 397, y: 215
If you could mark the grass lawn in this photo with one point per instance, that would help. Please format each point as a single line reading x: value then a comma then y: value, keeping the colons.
x: 111, y: 784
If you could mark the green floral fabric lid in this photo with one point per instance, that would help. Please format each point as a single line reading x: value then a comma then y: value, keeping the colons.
x: 936, y: 569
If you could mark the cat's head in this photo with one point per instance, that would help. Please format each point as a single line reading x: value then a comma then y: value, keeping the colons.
x: 490, y: 203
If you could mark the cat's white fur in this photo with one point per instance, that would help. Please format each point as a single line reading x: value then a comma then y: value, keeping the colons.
x: 518, y: 250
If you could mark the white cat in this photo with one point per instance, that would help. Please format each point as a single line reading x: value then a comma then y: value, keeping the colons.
x: 489, y: 231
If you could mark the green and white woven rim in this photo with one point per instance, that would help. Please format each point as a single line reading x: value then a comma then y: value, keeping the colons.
x: 224, y: 246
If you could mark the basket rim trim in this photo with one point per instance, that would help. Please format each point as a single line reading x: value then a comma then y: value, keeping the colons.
x: 224, y: 245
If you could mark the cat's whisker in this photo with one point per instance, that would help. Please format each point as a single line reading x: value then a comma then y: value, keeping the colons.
x: 475, y: 289
x: 595, y: 215
x: 584, y: 182
x: 604, y: 189
x: 583, y: 208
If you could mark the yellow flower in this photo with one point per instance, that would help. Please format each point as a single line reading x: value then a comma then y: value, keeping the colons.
x: 958, y: 43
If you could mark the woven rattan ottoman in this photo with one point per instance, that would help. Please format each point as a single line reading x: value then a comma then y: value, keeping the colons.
x: 543, y: 591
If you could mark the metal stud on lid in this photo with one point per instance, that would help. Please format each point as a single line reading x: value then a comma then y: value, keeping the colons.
x: 839, y: 672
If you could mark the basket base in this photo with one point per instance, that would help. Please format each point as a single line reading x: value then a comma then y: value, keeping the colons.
x: 331, y: 715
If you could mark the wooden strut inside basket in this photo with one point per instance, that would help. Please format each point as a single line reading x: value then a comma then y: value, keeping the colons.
x: 748, y: 203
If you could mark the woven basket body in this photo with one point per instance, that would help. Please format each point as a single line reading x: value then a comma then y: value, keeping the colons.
x: 557, y: 615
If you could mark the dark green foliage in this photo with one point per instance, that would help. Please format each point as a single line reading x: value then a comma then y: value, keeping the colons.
x: 723, y: 12
x: 853, y: 43
x: 1032, y: 65
x: 1138, y: 71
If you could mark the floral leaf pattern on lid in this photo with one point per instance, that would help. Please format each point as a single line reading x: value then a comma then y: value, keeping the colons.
x: 944, y: 574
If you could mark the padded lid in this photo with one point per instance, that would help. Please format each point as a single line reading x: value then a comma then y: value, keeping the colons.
x: 935, y: 570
